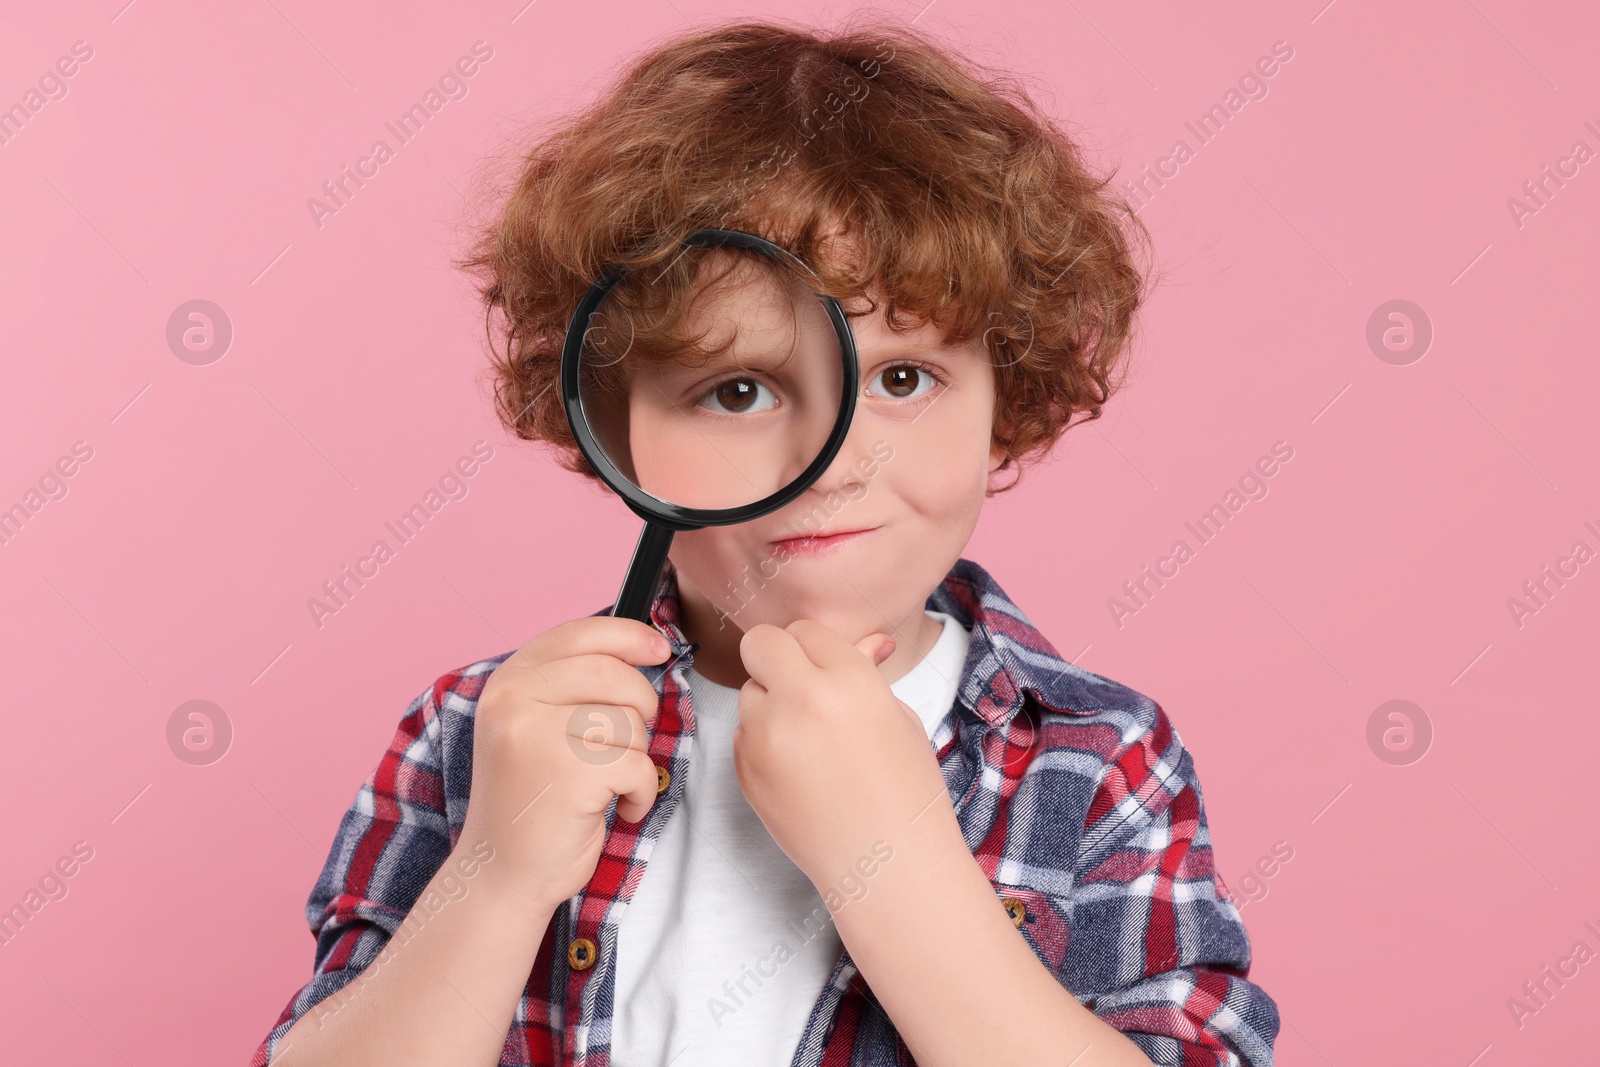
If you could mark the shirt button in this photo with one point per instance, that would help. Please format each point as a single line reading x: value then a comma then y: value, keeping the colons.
x: 1016, y: 909
x: 581, y: 953
x: 662, y: 778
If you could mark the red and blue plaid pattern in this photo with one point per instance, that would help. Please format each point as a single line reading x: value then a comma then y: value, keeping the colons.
x: 1075, y: 794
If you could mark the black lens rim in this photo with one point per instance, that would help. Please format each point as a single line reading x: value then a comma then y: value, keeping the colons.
x: 664, y: 512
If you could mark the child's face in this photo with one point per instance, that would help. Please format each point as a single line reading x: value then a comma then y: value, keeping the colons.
x: 913, y: 470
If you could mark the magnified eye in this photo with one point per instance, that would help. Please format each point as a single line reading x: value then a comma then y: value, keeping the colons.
x: 906, y: 381
x: 738, y: 396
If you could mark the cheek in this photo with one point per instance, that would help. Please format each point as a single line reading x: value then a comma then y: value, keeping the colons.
x: 947, y: 459
x: 707, y: 555
x: 950, y: 491
x: 941, y: 481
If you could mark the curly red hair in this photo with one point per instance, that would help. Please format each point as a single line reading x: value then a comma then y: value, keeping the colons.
x: 963, y: 203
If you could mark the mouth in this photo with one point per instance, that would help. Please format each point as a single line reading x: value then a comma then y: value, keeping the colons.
x: 808, y: 545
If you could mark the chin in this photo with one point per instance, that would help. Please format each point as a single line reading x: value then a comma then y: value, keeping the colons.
x: 779, y: 607
x: 752, y: 587
x: 851, y: 629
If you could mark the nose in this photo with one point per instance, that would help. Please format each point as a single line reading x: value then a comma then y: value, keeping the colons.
x: 846, y: 470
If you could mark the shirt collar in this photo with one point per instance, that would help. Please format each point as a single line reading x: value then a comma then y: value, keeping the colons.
x: 664, y: 613
x: 1007, y: 656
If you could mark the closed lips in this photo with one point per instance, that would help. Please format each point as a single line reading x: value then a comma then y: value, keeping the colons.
x: 813, y: 543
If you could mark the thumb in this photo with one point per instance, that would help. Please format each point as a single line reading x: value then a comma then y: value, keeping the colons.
x: 876, y: 647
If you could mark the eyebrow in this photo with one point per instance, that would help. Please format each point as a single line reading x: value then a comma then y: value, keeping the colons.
x: 905, y: 346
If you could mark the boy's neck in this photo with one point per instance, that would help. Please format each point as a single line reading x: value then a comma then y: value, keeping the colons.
x: 718, y: 659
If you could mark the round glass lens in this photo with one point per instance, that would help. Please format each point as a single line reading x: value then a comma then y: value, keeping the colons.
x: 714, y: 381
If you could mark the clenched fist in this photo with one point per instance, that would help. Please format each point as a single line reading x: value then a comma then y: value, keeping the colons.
x: 561, y: 730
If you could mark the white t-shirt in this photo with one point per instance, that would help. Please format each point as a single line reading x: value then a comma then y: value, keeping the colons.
x: 701, y: 976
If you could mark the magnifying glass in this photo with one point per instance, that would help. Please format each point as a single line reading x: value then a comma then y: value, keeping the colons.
x: 707, y: 392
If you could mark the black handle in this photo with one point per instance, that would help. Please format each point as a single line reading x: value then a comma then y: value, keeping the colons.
x: 644, y: 573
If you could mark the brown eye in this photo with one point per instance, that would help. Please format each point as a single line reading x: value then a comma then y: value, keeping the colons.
x: 736, y: 396
x: 906, y: 381
x: 902, y: 381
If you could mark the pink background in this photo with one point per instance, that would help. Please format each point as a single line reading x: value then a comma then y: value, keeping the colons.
x: 220, y: 497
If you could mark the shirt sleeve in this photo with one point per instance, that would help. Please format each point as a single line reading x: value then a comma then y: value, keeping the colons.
x: 390, y: 843
x: 1157, y: 947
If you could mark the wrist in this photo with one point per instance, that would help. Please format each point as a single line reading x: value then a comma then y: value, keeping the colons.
x: 513, y: 904
x: 476, y: 863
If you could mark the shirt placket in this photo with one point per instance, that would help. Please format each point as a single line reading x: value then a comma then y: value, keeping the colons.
x: 590, y: 941
x: 590, y: 938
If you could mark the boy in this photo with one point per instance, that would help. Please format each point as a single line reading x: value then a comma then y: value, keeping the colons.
x: 840, y: 802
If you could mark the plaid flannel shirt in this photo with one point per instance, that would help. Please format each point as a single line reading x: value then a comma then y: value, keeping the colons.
x: 1074, y: 793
